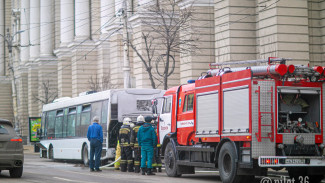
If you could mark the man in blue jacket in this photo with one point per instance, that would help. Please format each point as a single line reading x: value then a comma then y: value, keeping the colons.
x: 95, y: 137
x: 147, y: 140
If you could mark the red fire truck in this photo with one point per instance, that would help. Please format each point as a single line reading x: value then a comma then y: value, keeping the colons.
x: 245, y: 120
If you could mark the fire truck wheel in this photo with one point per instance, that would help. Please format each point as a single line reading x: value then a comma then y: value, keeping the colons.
x: 170, y: 161
x: 227, y: 164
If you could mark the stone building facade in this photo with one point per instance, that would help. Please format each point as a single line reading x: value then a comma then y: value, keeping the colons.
x: 64, y: 43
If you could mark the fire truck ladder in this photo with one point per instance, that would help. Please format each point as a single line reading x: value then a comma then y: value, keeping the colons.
x: 260, y: 115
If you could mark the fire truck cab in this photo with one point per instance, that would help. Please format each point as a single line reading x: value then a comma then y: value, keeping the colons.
x: 245, y: 120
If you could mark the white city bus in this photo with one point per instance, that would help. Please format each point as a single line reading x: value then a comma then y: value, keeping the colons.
x: 65, y: 123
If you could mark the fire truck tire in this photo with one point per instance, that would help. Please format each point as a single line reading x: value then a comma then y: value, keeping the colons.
x: 170, y: 161
x: 227, y: 164
x: 299, y: 174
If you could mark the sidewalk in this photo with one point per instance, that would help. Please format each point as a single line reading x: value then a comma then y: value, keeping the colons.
x: 29, y: 149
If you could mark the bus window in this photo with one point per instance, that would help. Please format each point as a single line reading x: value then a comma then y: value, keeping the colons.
x: 65, y: 124
x: 58, y: 124
x: 104, y: 112
x: 84, y: 120
x: 78, y: 129
x: 85, y: 114
x: 50, y: 124
x: 71, y: 132
x: 96, y: 110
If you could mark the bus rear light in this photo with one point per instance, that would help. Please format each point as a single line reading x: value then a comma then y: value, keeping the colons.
x: 16, y: 140
x: 291, y: 68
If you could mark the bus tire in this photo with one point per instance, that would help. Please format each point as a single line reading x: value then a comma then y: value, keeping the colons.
x: 51, y: 152
x: 227, y: 164
x: 85, y: 157
x: 170, y: 161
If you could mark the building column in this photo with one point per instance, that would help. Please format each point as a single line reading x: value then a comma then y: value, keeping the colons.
x: 2, y: 41
x: 47, y: 62
x: 283, y: 30
x: 67, y: 19
x: 235, y: 30
x: 34, y: 32
x: 47, y: 29
x: 63, y: 52
x: 192, y: 64
x: 24, y: 26
x: 82, y: 19
x: 84, y: 56
x: 103, y: 70
x: 34, y: 53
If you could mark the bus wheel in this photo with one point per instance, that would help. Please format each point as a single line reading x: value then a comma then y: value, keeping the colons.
x: 51, y: 152
x: 170, y: 161
x: 85, y: 158
x: 227, y: 164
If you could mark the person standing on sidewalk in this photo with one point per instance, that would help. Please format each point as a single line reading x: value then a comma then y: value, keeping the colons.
x: 147, y: 139
x: 95, y: 137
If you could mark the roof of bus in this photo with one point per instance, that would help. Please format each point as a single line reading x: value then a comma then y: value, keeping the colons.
x: 96, y: 97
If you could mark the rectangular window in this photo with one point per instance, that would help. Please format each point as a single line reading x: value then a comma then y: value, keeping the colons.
x: 65, y: 124
x: 167, y: 105
x: 144, y: 105
x: 188, y: 103
x: 59, y: 124
x: 3, y: 130
x: 185, y: 104
x: 71, y: 122
x: 85, y: 114
x: 96, y: 110
x: 104, y: 112
x: 50, y: 123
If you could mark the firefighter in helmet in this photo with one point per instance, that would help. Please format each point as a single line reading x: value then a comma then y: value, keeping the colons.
x: 126, y: 162
x: 134, y: 140
x: 156, y: 162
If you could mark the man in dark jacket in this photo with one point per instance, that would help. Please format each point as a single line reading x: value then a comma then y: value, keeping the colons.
x: 95, y: 137
x: 147, y: 139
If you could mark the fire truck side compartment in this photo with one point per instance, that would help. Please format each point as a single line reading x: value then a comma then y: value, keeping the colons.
x: 236, y: 110
x: 207, y: 113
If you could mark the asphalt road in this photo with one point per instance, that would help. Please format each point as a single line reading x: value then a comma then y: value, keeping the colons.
x: 43, y: 170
